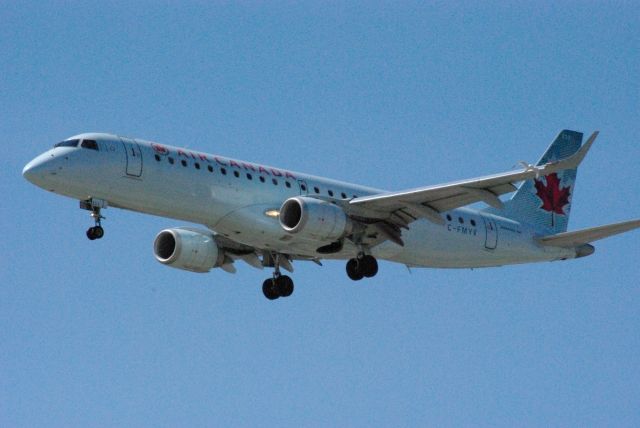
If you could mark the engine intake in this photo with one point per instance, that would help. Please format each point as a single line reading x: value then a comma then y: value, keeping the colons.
x: 187, y: 249
x: 314, y: 219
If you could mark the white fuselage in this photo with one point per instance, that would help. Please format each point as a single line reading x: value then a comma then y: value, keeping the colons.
x: 233, y: 198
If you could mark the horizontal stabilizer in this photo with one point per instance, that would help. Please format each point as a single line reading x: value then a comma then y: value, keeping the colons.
x: 585, y: 236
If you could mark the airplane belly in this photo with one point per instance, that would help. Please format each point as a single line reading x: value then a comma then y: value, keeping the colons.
x: 451, y: 246
x: 251, y: 226
x: 431, y: 245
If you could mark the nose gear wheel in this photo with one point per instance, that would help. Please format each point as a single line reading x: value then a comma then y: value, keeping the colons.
x: 95, y: 232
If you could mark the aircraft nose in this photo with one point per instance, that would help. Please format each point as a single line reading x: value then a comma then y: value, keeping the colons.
x: 31, y: 170
x: 35, y: 170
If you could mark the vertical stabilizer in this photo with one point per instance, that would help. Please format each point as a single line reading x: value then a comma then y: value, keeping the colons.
x: 545, y: 202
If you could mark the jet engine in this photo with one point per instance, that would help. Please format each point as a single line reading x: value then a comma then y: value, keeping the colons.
x: 188, y: 249
x: 314, y: 219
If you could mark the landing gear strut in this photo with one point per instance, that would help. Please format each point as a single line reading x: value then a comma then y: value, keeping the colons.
x: 279, y: 285
x: 363, y: 266
x: 95, y: 232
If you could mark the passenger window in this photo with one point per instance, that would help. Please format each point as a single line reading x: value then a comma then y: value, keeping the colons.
x: 286, y: 183
x: 171, y: 160
x: 236, y: 173
x: 210, y: 168
x: 197, y: 165
x: 275, y: 182
x: 460, y: 220
x: 89, y: 144
x: 223, y: 171
x: 249, y: 176
x: 344, y: 195
x: 157, y: 158
x: 303, y: 187
x: 315, y: 189
x: 183, y: 162
x: 262, y: 179
x: 448, y: 217
x: 473, y: 222
x: 330, y: 192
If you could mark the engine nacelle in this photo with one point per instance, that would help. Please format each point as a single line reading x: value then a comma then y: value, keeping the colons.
x: 314, y: 219
x: 187, y: 249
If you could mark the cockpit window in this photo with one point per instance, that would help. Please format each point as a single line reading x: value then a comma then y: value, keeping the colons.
x: 89, y: 144
x: 68, y: 143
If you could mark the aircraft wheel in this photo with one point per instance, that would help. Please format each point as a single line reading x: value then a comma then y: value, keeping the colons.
x: 284, y: 284
x: 369, y: 266
x: 95, y: 232
x: 269, y: 289
x: 354, y: 270
x: 98, y: 232
x: 91, y: 233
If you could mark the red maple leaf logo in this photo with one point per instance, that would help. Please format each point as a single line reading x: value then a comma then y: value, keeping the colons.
x: 552, y: 196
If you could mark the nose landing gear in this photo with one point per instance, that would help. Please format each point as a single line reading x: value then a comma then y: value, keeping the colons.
x: 95, y: 232
x: 94, y: 205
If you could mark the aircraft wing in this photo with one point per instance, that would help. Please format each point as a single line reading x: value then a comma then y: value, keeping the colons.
x: 237, y: 251
x: 404, y: 207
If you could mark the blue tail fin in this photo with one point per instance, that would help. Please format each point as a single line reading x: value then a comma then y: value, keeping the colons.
x: 545, y: 202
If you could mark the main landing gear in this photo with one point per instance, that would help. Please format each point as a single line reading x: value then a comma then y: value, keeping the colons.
x: 363, y: 266
x: 95, y: 232
x: 278, y: 286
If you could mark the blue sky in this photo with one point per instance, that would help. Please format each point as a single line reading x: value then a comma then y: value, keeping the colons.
x: 388, y: 95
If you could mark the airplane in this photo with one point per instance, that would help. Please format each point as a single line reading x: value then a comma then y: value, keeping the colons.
x: 271, y: 217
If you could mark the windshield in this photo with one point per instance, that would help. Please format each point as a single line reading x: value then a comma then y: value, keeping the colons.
x: 89, y: 144
x: 67, y: 143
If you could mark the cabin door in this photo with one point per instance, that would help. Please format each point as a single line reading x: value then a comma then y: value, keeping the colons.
x: 491, y: 230
x: 134, y: 157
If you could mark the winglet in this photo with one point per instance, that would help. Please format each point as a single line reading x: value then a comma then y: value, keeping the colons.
x: 570, y: 162
x: 574, y: 160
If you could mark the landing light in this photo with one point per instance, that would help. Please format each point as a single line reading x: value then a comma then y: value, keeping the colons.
x: 272, y: 213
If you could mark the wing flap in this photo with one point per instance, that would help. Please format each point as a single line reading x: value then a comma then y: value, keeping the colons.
x: 585, y: 236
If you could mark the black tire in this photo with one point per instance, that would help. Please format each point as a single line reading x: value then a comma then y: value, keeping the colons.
x: 269, y: 290
x: 353, y: 270
x: 369, y: 266
x: 98, y: 232
x: 284, y: 285
x: 91, y: 233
